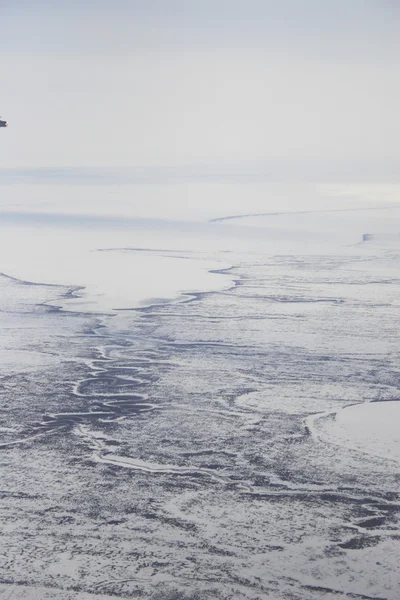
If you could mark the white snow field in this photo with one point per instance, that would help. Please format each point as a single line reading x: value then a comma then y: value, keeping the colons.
x: 372, y: 428
x: 195, y: 409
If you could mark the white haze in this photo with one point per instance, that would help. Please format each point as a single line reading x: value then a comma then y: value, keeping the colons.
x: 226, y: 84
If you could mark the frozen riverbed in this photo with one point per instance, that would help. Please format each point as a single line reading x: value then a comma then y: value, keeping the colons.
x: 166, y: 429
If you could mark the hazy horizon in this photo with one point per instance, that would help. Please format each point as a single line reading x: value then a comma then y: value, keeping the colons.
x: 216, y: 85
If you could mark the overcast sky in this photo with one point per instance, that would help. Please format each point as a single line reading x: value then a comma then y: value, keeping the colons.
x: 221, y: 83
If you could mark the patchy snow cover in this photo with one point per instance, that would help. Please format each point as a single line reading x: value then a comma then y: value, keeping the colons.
x: 160, y: 449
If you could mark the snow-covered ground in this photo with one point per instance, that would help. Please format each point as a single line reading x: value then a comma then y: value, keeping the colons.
x: 371, y: 428
x: 189, y: 405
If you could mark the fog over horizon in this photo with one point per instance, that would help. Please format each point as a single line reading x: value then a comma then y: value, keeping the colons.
x: 282, y: 90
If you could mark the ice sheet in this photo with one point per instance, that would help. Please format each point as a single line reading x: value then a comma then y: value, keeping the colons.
x: 106, y: 265
x: 371, y: 428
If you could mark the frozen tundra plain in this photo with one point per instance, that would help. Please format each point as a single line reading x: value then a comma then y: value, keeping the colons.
x: 200, y: 410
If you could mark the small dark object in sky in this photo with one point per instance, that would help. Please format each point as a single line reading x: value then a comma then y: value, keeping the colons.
x: 3, y: 123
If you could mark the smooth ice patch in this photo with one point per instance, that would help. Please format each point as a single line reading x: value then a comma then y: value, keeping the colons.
x: 107, y: 281
x: 372, y: 428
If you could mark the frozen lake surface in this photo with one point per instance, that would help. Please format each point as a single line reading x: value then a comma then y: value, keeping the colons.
x: 195, y: 406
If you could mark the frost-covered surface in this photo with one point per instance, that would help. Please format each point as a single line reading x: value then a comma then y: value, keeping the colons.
x: 220, y: 445
x: 109, y: 269
x: 372, y: 428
